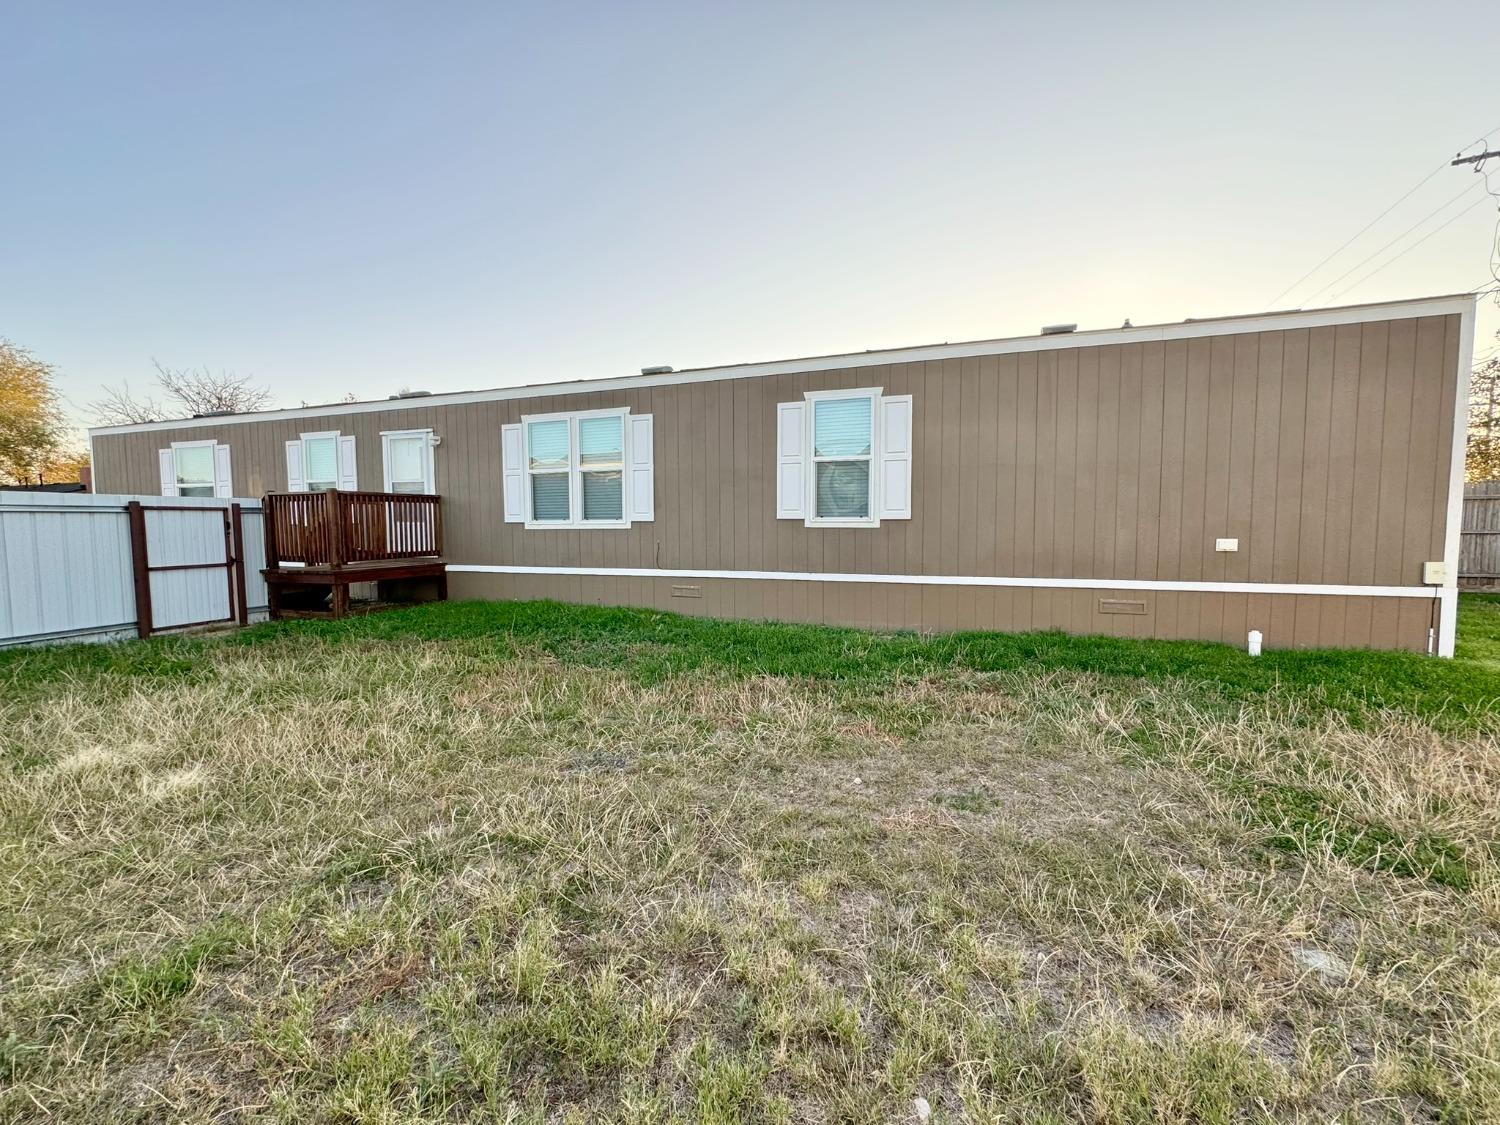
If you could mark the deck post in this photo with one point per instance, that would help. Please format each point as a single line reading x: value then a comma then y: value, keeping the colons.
x: 335, y: 529
x: 269, y: 512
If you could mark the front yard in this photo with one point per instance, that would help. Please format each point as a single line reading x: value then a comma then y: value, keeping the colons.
x: 531, y: 862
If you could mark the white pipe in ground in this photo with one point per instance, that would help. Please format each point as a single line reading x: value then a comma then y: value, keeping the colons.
x: 1254, y: 646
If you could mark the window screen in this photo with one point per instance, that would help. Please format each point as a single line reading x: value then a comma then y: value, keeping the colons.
x: 843, y: 437
x: 408, y: 467
x: 195, y: 470
x: 842, y: 427
x: 548, y: 450
x: 320, y: 458
x: 601, y: 457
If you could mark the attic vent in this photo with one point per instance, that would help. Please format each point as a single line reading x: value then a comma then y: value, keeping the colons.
x: 213, y: 413
x: 656, y: 371
x: 1058, y: 329
x: 411, y: 394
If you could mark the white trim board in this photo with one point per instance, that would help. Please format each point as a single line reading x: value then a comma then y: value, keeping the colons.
x: 1447, y: 633
x: 1425, y: 592
x: 1185, y: 330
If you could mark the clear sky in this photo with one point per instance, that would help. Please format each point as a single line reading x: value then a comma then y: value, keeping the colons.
x: 364, y: 197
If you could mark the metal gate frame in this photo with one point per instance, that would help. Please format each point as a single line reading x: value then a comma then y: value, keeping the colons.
x: 233, y: 565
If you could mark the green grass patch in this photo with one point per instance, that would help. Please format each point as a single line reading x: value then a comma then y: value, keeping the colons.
x: 1301, y: 819
x: 547, y: 863
x: 143, y: 983
x: 652, y: 646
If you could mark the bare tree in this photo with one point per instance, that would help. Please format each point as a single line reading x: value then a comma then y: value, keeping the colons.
x: 187, y: 393
x: 1483, y: 461
x: 120, y: 407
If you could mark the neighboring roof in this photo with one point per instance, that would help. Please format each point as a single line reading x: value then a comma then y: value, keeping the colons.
x: 1187, y: 329
x: 66, y: 486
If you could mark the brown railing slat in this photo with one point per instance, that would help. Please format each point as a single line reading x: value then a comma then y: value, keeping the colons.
x: 332, y: 528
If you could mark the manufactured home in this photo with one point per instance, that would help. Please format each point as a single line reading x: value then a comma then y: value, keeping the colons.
x: 1295, y: 473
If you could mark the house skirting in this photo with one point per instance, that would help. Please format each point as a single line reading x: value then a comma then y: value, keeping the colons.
x: 1375, y: 617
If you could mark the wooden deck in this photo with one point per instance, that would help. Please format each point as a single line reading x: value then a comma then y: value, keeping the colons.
x: 331, y: 540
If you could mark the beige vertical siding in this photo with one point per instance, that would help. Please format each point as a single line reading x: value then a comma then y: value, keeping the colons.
x: 1324, y: 450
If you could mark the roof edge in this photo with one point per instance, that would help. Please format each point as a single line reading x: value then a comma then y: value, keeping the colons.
x: 1099, y: 337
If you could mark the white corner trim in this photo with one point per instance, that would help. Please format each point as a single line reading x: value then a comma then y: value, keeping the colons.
x: 1184, y: 330
x: 1425, y: 592
x: 1447, y: 638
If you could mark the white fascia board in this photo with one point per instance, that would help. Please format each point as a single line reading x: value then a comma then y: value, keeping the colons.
x: 1186, y: 330
x: 1424, y: 592
x: 1447, y: 638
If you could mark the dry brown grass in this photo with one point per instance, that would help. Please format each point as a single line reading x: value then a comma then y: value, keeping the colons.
x: 415, y: 882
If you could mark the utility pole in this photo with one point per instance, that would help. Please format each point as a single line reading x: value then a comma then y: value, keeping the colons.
x: 1473, y: 159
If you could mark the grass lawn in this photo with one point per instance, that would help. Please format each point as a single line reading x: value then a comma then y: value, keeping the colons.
x: 532, y: 862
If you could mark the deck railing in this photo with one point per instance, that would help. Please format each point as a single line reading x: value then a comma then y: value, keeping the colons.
x: 336, y: 529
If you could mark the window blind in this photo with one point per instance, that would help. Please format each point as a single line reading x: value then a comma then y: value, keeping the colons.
x: 842, y: 427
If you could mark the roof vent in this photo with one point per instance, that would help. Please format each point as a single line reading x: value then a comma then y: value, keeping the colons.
x: 213, y: 413
x: 656, y: 371
x: 411, y: 394
x: 1058, y: 329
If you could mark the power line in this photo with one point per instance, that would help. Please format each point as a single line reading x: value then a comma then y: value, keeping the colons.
x: 1412, y: 247
x: 1271, y: 304
x: 1365, y: 261
x: 1482, y: 140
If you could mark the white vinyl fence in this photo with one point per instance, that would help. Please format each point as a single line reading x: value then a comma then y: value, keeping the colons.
x: 70, y: 570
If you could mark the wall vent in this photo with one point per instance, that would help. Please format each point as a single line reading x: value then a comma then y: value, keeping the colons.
x: 1120, y: 605
x: 687, y: 591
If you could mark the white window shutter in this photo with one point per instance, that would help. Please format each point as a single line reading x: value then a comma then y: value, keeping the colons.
x: 295, y: 480
x: 512, y: 473
x: 642, y: 469
x: 168, y: 472
x: 348, y: 476
x: 223, y: 482
x: 791, y: 460
x: 895, y: 457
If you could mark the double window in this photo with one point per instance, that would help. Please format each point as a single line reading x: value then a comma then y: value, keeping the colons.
x: 586, y: 469
x: 576, y: 469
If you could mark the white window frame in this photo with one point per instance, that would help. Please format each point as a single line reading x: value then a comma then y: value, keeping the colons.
x: 429, y: 471
x: 811, y: 459
x: 213, y: 465
x: 332, y: 435
x: 575, y: 471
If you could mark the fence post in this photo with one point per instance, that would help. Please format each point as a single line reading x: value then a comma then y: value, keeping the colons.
x: 237, y: 529
x: 138, y: 566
